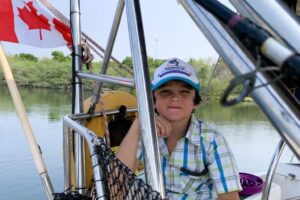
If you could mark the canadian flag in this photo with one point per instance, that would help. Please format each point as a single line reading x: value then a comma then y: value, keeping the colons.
x: 29, y: 22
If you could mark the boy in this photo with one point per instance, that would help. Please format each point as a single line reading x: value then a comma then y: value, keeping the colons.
x: 197, y: 162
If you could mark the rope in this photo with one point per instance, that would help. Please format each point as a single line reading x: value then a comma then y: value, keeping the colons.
x: 212, y: 75
x: 64, y: 19
x: 248, y: 82
x: 87, y: 57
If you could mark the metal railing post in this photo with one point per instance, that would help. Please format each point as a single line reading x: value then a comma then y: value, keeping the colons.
x: 91, y: 140
x: 77, y: 93
x: 144, y: 96
x: 272, y: 169
x: 108, y: 51
x: 67, y: 156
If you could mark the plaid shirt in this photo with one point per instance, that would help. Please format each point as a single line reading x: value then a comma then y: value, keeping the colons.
x: 201, y: 148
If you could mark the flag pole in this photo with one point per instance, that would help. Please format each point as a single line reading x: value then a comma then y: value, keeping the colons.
x: 37, y: 156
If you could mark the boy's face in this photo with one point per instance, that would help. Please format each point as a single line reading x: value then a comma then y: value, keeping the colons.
x: 175, y: 101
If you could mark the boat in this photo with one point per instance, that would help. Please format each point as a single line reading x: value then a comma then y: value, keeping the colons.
x: 90, y: 168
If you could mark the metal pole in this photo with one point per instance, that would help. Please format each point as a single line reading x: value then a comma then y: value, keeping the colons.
x: 91, y: 140
x: 262, y: 12
x: 98, y: 174
x: 35, y: 151
x: 77, y: 94
x: 108, y: 79
x: 67, y: 156
x: 212, y: 76
x: 100, y: 114
x: 108, y: 51
x: 270, y: 99
x: 144, y: 95
x: 272, y: 168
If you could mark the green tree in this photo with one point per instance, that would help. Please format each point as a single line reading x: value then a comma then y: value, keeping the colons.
x: 152, y: 63
x: 222, y: 71
x: 30, y: 71
x: 202, y: 67
x: 27, y: 56
x: 58, y: 56
x: 128, y: 61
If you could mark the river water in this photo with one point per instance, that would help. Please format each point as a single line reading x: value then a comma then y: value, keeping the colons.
x: 250, y: 135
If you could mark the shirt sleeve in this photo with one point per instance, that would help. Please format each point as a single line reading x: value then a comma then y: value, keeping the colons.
x: 222, y: 166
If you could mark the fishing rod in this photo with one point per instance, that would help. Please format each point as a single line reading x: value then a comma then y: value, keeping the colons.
x: 257, y: 40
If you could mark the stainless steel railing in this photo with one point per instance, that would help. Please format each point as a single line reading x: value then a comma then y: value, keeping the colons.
x: 73, y: 126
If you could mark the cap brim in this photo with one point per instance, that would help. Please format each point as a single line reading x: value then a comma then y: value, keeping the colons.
x: 161, y: 82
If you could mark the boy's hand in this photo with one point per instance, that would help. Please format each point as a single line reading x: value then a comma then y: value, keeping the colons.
x: 164, y: 127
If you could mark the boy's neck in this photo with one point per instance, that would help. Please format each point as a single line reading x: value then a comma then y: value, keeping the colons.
x: 180, y: 128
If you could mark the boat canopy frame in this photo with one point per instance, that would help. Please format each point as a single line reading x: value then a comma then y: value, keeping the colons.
x: 274, y: 102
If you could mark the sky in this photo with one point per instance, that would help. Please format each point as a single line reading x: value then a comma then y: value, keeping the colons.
x: 169, y: 30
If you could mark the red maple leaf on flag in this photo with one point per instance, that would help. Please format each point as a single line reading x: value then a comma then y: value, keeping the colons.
x: 64, y: 30
x: 29, y: 14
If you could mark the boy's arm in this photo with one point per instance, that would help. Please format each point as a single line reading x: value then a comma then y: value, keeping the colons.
x: 229, y: 196
x: 128, y: 148
x: 223, y: 169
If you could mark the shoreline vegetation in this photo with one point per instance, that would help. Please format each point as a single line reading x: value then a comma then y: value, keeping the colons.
x: 55, y: 73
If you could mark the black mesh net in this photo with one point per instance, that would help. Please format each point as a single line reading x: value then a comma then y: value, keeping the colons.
x: 71, y: 196
x: 118, y: 180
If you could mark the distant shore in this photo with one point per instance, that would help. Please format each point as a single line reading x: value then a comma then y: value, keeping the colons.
x: 55, y: 73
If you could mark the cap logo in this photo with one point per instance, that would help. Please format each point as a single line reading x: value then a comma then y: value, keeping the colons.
x: 172, y: 67
x: 173, y: 62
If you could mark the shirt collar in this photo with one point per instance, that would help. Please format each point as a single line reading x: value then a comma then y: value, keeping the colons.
x: 194, y: 132
x: 193, y: 135
x: 163, y: 147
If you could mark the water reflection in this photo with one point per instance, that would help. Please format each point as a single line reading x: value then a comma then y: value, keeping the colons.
x: 18, y: 174
x: 249, y: 133
x: 50, y: 102
x: 245, y: 112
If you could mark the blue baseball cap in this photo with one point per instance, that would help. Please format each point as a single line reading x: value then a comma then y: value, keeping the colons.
x: 175, y: 69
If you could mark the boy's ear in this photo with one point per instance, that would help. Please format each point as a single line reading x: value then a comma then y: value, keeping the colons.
x: 156, y: 111
x: 196, y: 107
x: 154, y: 99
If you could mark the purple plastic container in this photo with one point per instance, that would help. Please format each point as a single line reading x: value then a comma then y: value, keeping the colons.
x: 251, y: 184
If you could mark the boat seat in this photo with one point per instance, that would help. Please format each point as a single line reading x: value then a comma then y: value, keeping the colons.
x: 287, y: 175
x: 112, y: 102
x: 275, y: 194
x: 119, y: 126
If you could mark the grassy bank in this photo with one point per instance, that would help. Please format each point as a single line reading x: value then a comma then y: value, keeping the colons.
x: 55, y: 72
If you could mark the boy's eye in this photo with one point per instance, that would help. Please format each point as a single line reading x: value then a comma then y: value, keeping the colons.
x: 185, y: 91
x: 165, y: 92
